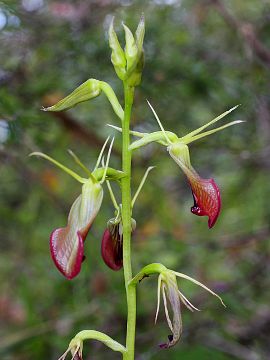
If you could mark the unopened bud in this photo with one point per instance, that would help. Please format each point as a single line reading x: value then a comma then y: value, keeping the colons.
x: 86, y: 91
x: 118, y: 56
x: 131, y: 50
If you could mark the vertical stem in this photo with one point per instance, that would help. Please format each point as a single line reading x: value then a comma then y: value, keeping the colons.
x: 126, y: 218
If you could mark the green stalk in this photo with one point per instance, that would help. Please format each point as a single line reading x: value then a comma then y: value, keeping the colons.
x: 126, y: 218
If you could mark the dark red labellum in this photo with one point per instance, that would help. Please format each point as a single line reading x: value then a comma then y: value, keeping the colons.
x: 206, y: 199
x: 112, y: 248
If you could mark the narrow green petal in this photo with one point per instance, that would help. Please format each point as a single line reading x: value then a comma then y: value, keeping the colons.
x: 64, y: 168
x: 86, y: 91
x: 134, y: 133
x: 158, y: 297
x: 141, y: 185
x: 183, y: 276
x: 78, y: 161
x: 195, y: 132
x: 210, y: 132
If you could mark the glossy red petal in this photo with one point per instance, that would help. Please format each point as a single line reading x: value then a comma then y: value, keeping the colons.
x: 66, y: 244
x: 67, y: 257
x: 206, y: 196
x: 112, y: 249
x: 205, y: 191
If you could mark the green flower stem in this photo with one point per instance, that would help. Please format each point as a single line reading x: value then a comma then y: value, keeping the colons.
x: 126, y: 218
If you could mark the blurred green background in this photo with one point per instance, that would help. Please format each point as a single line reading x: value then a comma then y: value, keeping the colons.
x: 202, y: 58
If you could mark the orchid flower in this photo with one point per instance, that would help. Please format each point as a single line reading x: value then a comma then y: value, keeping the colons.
x: 205, y: 192
x: 67, y: 243
x: 76, y: 344
x: 172, y: 297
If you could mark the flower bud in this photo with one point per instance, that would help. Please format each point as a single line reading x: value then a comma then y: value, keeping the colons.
x: 112, y: 243
x: 131, y: 50
x: 118, y: 58
x: 136, y: 76
x: 86, y: 91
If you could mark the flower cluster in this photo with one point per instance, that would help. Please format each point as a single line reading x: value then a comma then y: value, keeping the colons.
x: 67, y: 243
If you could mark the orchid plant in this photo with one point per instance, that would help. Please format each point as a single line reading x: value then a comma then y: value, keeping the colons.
x: 67, y: 243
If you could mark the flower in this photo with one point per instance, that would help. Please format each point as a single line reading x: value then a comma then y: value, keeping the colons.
x: 172, y: 297
x: 75, y: 348
x: 168, y: 285
x: 76, y: 344
x: 67, y: 243
x: 112, y: 243
x: 205, y: 192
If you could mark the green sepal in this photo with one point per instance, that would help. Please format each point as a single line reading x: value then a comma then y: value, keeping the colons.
x: 139, y: 35
x: 86, y: 91
x: 136, y: 76
x: 179, y: 150
x: 118, y: 58
x: 157, y: 136
x: 100, y: 336
x: 151, y: 269
x: 131, y: 50
x: 111, y: 174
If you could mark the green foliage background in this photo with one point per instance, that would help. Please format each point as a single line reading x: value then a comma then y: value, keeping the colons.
x: 201, y: 59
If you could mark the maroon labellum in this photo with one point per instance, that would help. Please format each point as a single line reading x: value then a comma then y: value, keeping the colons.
x: 206, y: 199
x: 112, y: 244
x: 205, y: 192
x: 67, y: 243
x: 112, y: 248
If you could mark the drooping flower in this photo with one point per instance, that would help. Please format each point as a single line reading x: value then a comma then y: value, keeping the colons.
x: 75, y: 348
x: 76, y: 344
x: 67, y: 243
x: 206, y: 194
x: 172, y: 298
x: 112, y: 243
